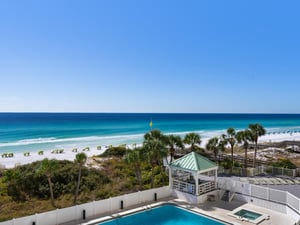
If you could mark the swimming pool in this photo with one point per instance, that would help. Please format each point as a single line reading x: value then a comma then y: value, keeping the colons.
x: 164, y: 215
x: 248, y: 215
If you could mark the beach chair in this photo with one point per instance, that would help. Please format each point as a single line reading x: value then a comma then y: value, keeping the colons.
x: 41, y: 153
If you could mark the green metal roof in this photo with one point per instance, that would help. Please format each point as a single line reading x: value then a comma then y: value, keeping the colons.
x: 193, y: 161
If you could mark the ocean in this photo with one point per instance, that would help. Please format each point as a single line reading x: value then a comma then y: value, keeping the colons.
x: 21, y: 132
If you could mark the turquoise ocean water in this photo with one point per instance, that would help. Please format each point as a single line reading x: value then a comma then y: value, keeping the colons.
x: 48, y: 131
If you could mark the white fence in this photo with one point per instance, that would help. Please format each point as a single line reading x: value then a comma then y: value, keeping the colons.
x: 91, y: 209
x: 265, y: 193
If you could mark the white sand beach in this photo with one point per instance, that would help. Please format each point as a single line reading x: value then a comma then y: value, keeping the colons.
x: 68, y: 154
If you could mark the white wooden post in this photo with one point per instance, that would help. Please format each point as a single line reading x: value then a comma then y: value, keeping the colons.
x: 216, y: 178
x: 196, y: 183
x: 170, y: 178
x: 294, y: 172
x: 56, y: 213
x: 110, y: 209
x: 94, y: 211
x: 298, y: 203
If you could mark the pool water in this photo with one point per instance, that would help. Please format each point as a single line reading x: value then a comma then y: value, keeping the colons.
x: 248, y: 214
x: 164, y: 215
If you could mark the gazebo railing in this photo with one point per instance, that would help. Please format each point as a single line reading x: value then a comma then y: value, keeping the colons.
x: 206, y: 187
x: 191, y: 188
x: 184, y: 186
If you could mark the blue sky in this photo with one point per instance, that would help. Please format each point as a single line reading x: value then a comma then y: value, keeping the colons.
x: 150, y: 56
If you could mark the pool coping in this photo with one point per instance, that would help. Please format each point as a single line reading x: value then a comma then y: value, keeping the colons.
x: 188, y: 207
x: 256, y: 221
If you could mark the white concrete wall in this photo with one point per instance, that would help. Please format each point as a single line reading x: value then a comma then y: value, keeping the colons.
x: 92, y: 209
x: 203, y: 198
x: 260, y: 202
x: 241, y: 187
x: 27, y: 220
x: 266, y: 197
x: 293, y: 201
x: 102, y: 206
x: 260, y: 192
x: 269, y: 205
x: 184, y: 196
x: 46, y: 218
x: 292, y: 214
x: 115, y: 203
x: 7, y: 222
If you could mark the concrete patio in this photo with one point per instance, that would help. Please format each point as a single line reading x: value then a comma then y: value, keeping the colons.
x: 219, y: 209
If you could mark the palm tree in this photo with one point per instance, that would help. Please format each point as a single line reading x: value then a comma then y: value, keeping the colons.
x: 47, y: 168
x: 173, y: 142
x: 256, y: 130
x: 192, y: 139
x: 215, y: 145
x: 155, y: 150
x: 135, y: 158
x: 230, y: 138
x: 243, y: 137
x: 80, y: 160
x: 154, y: 134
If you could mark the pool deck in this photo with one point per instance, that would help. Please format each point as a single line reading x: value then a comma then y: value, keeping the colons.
x: 217, y: 209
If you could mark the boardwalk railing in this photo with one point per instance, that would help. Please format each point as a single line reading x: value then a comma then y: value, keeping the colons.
x: 239, y: 159
x: 260, y: 170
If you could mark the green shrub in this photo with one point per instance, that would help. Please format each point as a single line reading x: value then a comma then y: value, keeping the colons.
x: 284, y: 163
x: 226, y: 163
x: 114, y: 151
x: 23, y: 182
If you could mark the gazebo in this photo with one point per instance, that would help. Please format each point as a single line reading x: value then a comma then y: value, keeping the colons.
x: 193, y: 177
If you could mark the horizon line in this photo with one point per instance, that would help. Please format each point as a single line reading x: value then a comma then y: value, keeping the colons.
x: 88, y: 112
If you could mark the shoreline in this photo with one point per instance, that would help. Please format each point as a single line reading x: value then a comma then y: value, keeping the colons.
x: 20, y: 159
